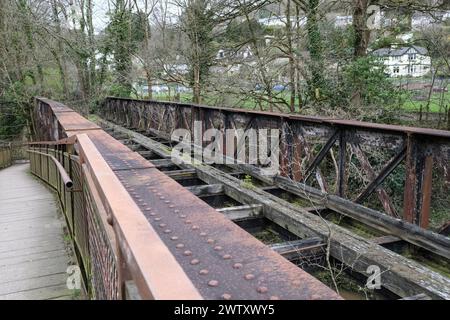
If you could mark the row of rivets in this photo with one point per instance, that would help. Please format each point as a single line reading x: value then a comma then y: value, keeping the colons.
x: 211, y: 283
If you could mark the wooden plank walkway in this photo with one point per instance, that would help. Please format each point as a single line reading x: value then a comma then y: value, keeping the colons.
x: 33, y: 254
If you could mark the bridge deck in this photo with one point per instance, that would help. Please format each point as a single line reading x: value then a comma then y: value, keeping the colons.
x: 33, y: 253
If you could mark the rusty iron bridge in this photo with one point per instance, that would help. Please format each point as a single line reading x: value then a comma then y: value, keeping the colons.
x: 144, y: 226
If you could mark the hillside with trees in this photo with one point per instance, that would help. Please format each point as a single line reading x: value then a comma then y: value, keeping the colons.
x: 299, y: 56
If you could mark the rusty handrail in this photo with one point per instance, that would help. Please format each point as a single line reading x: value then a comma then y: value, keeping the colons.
x: 135, y: 236
x: 363, y: 125
x: 66, y: 141
x: 68, y: 183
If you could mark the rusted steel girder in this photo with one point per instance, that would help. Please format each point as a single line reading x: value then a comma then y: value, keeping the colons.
x: 308, y: 130
x: 418, y: 181
x: 158, y: 222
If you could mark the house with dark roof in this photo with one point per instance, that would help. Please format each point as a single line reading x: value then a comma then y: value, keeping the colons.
x: 412, y: 61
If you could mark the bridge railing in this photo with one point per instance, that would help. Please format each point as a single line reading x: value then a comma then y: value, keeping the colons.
x: 401, y: 171
x: 5, y: 156
x: 115, y: 246
x: 60, y: 169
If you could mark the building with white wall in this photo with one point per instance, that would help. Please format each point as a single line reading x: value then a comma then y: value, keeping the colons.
x: 412, y: 61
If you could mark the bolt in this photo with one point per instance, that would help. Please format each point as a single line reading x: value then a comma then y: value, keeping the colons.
x: 187, y: 253
x: 213, y: 283
x: 274, y: 298
x: 195, y: 261
x: 167, y: 231
x: 262, y: 289
x: 210, y: 240
x: 226, y: 296
x: 202, y: 234
x: 174, y: 238
x: 203, y: 272
x: 162, y: 225
x: 296, y: 282
x: 217, y: 248
x: 195, y: 227
x: 226, y: 256
x: 180, y: 246
x: 249, y: 276
x: 237, y: 265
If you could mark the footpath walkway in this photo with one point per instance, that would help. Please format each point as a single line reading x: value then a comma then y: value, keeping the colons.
x: 33, y: 254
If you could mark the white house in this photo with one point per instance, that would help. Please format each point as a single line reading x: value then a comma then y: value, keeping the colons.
x: 412, y: 61
x: 343, y: 21
x: 280, y: 21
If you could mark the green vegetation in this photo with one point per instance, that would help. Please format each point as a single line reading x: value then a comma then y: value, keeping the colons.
x: 348, y: 287
x: 436, y: 263
x: 268, y: 236
x: 438, y: 102
x: 248, y: 182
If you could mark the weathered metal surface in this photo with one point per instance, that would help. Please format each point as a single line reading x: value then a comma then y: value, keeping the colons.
x: 148, y: 260
x: 72, y: 121
x: 127, y: 161
x: 66, y: 180
x: 305, y: 132
x: 394, y: 129
x: 216, y: 254
x: 164, y: 232
x: 404, y: 277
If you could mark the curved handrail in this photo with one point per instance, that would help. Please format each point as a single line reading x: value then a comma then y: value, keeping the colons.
x: 68, y: 183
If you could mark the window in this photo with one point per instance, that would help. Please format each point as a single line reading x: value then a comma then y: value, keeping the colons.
x: 396, y: 69
x: 412, y: 69
x: 412, y: 56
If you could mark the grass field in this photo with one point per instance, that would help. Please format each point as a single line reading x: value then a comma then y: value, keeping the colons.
x: 409, y: 103
x: 232, y: 101
x: 414, y: 105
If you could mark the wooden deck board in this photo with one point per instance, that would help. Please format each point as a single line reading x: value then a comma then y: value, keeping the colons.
x: 33, y: 255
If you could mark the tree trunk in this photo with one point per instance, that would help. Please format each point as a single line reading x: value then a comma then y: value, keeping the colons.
x: 196, y: 89
x: 59, y: 55
x: 430, y: 92
x: 149, y: 83
x: 291, y: 57
x: 91, y: 43
x: 297, y: 63
x: 317, y: 81
x: 23, y: 6
x: 362, y: 33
